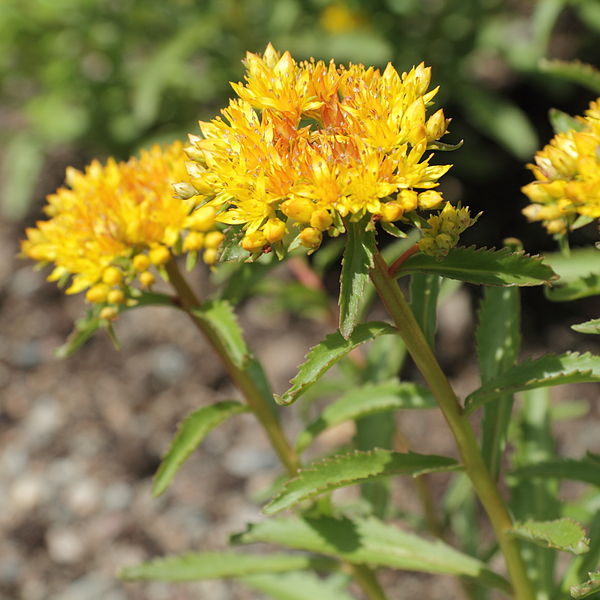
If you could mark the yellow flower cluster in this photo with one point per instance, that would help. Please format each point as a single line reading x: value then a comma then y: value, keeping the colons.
x: 116, y: 221
x: 443, y: 230
x: 567, y: 173
x: 308, y: 144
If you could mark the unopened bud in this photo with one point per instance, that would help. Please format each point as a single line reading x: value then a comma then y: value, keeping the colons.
x: 436, y: 125
x: 274, y: 230
x: 159, y: 255
x: 210, y: 256
x: 97, y: 293
x: 391, y: 211
x: 408, y: 200
x: 110, y: 313
x: 299, y: 209
x: 194, y: 240
x: 429, y: 199
x: 213, y: 239
x: 311, y: 237
x: 254, y: 241
x: 146, y: 279
x: 112, y: 276
x: 141, y: 262
x: 321, y: 219
x: 202, y: 219
x: 184, y: 190
x: 115, y: 297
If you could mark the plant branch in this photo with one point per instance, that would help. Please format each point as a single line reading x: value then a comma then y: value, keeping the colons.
x: 465, y: 439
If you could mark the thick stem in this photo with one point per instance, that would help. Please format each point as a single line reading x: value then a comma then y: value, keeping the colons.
x: 465, y: 439
x: 252, y: 394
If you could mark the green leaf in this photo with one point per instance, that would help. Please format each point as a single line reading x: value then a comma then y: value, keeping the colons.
x: 574, y: 71
x: 549, y: 370
x: 230, y: 249
x: 590, y: 590
x: 588, y: 285
x: 562, y: 468
x: 367, y: 400
x: 368, y: 541
x: 191, y: 432
x: 483, y: 266
x: 498, y: 340
x: 424, y: 293
x: 324, y: 355
x: 592, y: 326
x: 562, y: 534
x: 299, y: 586
x: 358, y: 259
x: 580, y: 262
x: 562, y: 122
x: 215, y: 565
x: 357, y: 467
x: 220, y: 318
x: 84, y: 329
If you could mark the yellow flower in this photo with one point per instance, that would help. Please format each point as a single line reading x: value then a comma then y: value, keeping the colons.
x: 308, y: 144
x: 567, y: 176
x: 114, y: 220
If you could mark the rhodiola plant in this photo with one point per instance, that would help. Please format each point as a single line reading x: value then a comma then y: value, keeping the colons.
x: 306, y: 152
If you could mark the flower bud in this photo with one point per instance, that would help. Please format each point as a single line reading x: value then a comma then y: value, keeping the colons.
x: 252, y: 242
x: 115, y: 297
x: 213, y: 239
x: 391, y: 211
x: 146, y: 279
x: 110, y: 313
x: 184, y: 190
x: 274, y: 230
x: 321, y: 219
x: 202, y: 219
x: 556, y: 226
x: 97, y: 293
x: 436, y: 125
x: 159, y: 255
x: 429, y: 199
x: 194, y: 240
x: 299, y: 209
x: 311, y: 237
x: 141, y: 262
x: 408, y: 200
x: 112, y: 276
x: 210, y: 256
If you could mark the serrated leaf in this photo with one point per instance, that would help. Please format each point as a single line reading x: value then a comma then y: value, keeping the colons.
x: 483, y: 266
x: 299, y: 586
x: 191, y: 432
x: 548, y: 370
x: 498, y: 340
x: 358, y: 259
x: 562, y: 122
x: 575, y: 71
x: 589, y: 590
x: 323, y: 356
x: 561, y: 534
x: 84, y: 329
x: 349, y: 469
x: 215, y: 565
x: 582, y: 287
x: 592, y: 326
x: 369, y: 541
x: 562, y: 468
x: 220, y: 318
x: 367, y: 400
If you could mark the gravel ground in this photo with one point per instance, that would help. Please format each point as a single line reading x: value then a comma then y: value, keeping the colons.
x: 81, y: 438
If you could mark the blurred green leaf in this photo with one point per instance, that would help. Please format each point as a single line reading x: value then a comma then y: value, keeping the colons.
x: 588, y: 285
x: 575, y: 71
x: 562, y: 534
x: 562, y: 468
x: 592, y: 326
x: 562, y: 122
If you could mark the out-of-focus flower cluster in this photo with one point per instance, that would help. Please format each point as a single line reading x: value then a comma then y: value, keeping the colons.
x: 116, y: 223
x: 567, y: 173
x: 307, y: 145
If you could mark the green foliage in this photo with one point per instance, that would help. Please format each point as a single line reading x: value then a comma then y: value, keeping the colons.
x: 424, y: 293
x: 299, y: 586
x: 549, y: 370
x: 84, y: 329
x: 562, y: 122
x: 368, y: 541
x: 219, y: 317
x: 591, y: 326
x: 562, y: 468
x: 358, y: 259
x: 191, y: 432
x: 562, y: 534
x: 366, y: 400
x: 214, y: 565
x: 324, y: 355
x: 590, y: 590
x: 575, y: 71
x: 582, y: 287
x: 483, y: 266
x: 357, y: 467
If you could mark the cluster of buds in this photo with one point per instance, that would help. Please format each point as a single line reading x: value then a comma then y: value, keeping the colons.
x: 443, y: 230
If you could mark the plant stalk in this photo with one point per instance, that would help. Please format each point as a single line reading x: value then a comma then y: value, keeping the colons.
x: 362, y: 574
x: 254, y: 397
x: 461, y: 428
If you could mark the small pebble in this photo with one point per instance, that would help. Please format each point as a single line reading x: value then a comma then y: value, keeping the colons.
x: 64, y: 545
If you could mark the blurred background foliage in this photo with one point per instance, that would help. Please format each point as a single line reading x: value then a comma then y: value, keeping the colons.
x: 85, y: 78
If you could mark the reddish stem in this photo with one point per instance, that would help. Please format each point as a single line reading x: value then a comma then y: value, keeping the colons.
x: 398, y: 262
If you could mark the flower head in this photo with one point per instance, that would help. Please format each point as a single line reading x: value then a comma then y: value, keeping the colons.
x: 567, y: 176
x: 308, y: 145
x: 114, y: 222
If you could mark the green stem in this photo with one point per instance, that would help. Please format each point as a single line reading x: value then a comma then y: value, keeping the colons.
x: 465, y: 439
x: 253, y: 395
x: 363, y: 575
